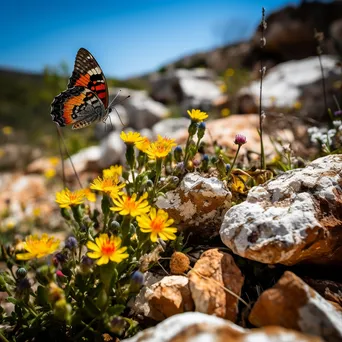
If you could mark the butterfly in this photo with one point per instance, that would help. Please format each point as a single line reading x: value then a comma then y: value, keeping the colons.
x: 86, y: 99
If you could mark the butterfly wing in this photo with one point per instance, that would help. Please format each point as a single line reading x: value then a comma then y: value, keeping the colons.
x: 78, y: 106
x: 87, y: 73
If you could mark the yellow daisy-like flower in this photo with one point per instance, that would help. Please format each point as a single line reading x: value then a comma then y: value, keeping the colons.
x: 107, y: 248
x: 158, y: 224
x: 114, y: 170
x: 7, y: 130
x: 38, y: 247
x: 197, y: 116
x: 107, y: 185
x: 130, y: 138
x: 54, y: 161
x: 67, y: 198
x: 225, y: 112
x: 50, y: 173
x: 160, y: 148
x: 89, y: 195
x: 127, y: 205
x: 143, y: 144
x: 229, y: 72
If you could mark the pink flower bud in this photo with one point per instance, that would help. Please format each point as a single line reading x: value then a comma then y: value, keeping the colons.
x: 59, y: 273
x: 240, y: 139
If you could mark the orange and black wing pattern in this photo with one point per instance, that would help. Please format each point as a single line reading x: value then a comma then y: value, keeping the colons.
x: 87, y: 73
x: 77, y: 106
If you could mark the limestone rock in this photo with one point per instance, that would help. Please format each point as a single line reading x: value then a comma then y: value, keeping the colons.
x: 199, y: 327
x: 293, y: 304
x: 213, y: 271
x: 170, y: 296
x: 294, y: 217
x: 141, y: 111
x: 195, y: 195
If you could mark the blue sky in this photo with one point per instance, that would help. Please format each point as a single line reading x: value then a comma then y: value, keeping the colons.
x: 126, y: 37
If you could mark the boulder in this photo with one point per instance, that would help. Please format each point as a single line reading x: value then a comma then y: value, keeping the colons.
x: 284, y: 85
x: 141, y: 111
x: 199, y: 327
x: 292, y: 218
x: 213, y: 272
x: 169, y: 296
x: 292, y: 304
x: 193, y: 88
x: 196, y: 194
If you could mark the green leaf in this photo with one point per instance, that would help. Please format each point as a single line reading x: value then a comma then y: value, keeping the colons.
x: 91, y: 308
x: 116, y: 310
x: 42, y: 298
x: 12, y: 300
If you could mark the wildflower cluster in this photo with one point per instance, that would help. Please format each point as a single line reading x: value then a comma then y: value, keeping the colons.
x: 330, y: 140
x: 116, y: 233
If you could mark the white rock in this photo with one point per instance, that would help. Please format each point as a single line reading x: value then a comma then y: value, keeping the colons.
x: 142, y: 111
x: 279, y: 222
x: 172, y: 128
x: 282, y: 84
x: 172, y: 326
x: 112, y: 150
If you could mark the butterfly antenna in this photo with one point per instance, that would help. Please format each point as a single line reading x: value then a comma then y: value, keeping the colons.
x: 66, y: 151
x: 116, y: 96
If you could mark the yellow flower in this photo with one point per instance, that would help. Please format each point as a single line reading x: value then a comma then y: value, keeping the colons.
x: 50, y: 173
x: 229, y: 72
x: 7, y: 130
x: 67, y: 198
x: 36, y: 212
x: 297, y: 105
x: 127, y: 205
x: 225, y: 112
x: 223, y: 88
x: 239, y: 183
x: 107, y: 185
x: 158, y: 224
x: 143, y: 144
x: 54, y: 161
x: 130, y: 138
x: 197, y: 116
x: 107, y: 248
x: 38, y: 247
x: 160, y: 148
x: 89, y: 195
x: 114, y: 170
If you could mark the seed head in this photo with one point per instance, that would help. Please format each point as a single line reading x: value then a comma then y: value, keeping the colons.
x: 179, y: 263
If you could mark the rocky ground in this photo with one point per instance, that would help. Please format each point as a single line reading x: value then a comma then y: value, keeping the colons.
x: 263, y: 266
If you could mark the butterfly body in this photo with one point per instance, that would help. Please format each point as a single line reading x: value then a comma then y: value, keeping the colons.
x: 86, y: 99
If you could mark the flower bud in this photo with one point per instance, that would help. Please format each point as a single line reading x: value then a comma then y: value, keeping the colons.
x: 240, y: 140
x: 338, y: 112
x: 21, y: 273
x: 117, y: 325
x: 71, y: 243
x: 62, y: 310
x: 137, y: 278
x: 178, y: 154
x: 201, y: 130
x: 192, y: 129
x: 205, y: 163
x: 114, y: 226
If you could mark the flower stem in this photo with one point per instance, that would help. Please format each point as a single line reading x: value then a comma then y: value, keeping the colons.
x: 233, y: 164
x: 158, y: 173
x: 261, y: 114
